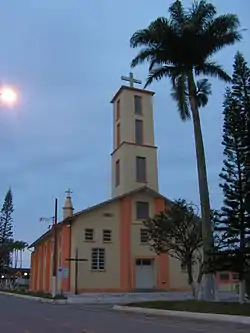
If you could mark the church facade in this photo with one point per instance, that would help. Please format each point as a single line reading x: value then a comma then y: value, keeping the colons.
x: 109, y: 239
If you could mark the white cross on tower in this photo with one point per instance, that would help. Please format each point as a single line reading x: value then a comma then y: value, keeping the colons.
x: 68, y: 192
x: 131, y: 79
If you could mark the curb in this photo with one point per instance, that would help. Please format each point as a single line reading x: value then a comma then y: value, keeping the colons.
x: 36, y: 299
x: 190, y: 315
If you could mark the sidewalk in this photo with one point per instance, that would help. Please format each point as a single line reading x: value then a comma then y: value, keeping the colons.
x: 188, y: 315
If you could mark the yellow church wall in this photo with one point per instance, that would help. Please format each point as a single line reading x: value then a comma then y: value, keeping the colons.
x: 127, y: 153
x: 178, y: 278
x: 89, y: 279
x: 139, y: 249
x: 127, y: 117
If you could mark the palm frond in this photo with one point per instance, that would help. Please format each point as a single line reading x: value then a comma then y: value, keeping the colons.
x: 178, y: 16
x: 180, y: 95
x: 201, y: 14
x: 146, y: 54
x: 153, y: 35
x: 158, y: 73
x: 203, y: 91
x: 220, y: 32
x: 212, y: 69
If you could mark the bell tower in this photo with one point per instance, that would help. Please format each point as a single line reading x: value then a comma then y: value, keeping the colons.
x: 134, y: 156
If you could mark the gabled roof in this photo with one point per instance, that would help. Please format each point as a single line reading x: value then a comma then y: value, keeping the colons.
x: 70, y: 220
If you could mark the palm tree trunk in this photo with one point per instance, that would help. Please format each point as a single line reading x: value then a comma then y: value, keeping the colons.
x: 16, y: 258
x: 207, y: 233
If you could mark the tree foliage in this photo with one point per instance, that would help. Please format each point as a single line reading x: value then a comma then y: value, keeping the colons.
x: 180, y: 47
x: 177, y: 231
x: 235, y: 217
x: 6, y: 229
x: 183, y: 44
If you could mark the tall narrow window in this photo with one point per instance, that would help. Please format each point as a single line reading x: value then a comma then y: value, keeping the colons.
x: 138, y: 132
x: 117, y: 173
x: 118, y: 135
x: 142, y: 210
x: 98, y: 259
x: 138, y: 104
x: 118, y: 110
x: 141, y: 169
x: 144, y: 235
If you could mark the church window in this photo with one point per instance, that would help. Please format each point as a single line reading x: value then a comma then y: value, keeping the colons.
x: 141, y: 169
x: 224, y: 276
x: 142, y: 210
x: 235, y: 276
x: 98, y: 259
x: 118, y: 110
x: 107, y: 236
x: 144, y: 236
x: 138, y: 132
x: 138, y: 105
x: 89, y: 234
x: 118, y: 134
x: 117, y: 173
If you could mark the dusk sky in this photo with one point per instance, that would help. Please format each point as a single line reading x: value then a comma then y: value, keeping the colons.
x: 66, y: 58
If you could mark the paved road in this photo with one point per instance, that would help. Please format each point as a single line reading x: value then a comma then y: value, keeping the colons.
x: 24, y: 316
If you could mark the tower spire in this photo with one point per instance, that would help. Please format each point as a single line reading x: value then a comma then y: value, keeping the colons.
x: 68, y: 207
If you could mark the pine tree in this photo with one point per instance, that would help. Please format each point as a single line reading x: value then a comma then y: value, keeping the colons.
x: 247, y: 160
x: 6, y: 229
x: 235, y: 217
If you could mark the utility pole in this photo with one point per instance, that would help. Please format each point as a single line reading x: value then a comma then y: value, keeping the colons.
x: 54, y: 277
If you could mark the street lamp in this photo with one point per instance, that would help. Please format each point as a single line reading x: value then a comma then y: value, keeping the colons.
x: 8, y: 95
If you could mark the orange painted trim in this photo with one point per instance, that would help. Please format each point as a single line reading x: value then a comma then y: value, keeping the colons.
x: 66, y: 253
x: 41, y: 267
x: 163, y: 260
x: 48, y: 263
x: 125, y: 243
x: 32, y: 258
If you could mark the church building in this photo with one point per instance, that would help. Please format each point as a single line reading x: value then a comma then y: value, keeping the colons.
x: 109, y: 239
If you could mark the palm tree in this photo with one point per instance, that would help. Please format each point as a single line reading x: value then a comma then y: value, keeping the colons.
x: 180, y: 47
x: 19, y: 247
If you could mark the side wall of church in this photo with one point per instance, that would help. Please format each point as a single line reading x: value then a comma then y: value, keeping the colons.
x: 41, y: 269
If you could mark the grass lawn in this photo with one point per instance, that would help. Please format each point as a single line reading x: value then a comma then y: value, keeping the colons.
x: 228, y: 308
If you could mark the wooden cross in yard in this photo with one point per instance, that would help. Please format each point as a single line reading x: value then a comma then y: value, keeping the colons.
x: 76, y: 260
